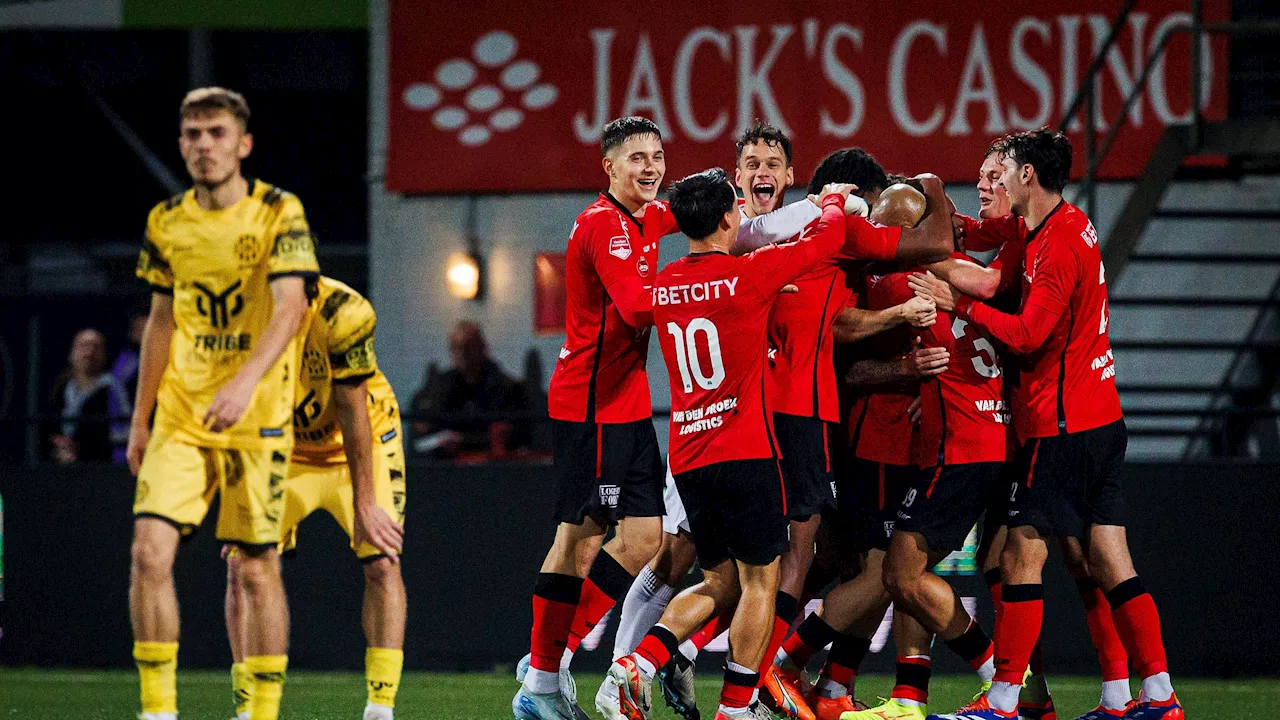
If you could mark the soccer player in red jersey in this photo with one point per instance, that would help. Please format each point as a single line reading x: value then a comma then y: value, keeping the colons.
x: 607, y: 465
x: 1070, y: 421
x: 711, y: 311
x: 996, y: 225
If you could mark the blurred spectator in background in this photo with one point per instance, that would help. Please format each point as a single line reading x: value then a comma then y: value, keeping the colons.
x: 81, y: 396
x: 472, y: 408
x: 125, y: 371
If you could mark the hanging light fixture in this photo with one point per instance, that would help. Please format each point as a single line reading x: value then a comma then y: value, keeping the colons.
x: 464, y: 271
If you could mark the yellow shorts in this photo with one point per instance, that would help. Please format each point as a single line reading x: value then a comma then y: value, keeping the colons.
x: 328, y: 487
x: 177, y: 483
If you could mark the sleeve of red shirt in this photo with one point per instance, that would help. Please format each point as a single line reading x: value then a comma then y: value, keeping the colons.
x: 634, y: 302
x: 1008, y: 262
x: 865, y: 240
x: 662, y: 215
x: 984, y: 235
x: 1056, y: 275
x: 774, y: 266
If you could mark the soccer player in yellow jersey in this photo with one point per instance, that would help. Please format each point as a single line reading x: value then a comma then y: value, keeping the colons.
x: 228, y: 262
x: 348, y: 460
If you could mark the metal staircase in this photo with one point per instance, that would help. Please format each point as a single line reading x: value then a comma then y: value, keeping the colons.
x: 1194, y: 272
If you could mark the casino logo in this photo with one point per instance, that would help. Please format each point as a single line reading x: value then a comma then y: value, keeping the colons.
x: 247, y: 250
x: 488, y: 93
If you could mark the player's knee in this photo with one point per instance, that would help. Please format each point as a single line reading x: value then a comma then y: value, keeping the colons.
x: 151, y: 558
x: 382, y: 574
x: 259, y: 572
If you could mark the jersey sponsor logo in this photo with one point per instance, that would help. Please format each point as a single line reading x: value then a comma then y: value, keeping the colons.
x: 314, y: 435
x: 994, y: 408
x: 388, y: 436
x: 1089, y: 235
x: 704, y: 418
x: 224, y: 343
x: 219, y: 307
x: 360, y: 356
x: 272, y: 432
x: 609, y: 495
x: 1105, y: 363
x: 642, y: 265
x: 620, y: 246
x: 697, y: 292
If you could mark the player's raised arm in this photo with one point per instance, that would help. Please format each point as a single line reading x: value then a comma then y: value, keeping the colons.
x: 1056, y: 273
x: 853, y: 323
x: 152, y: 361
x: 778, y: 226
x: 932, y: 239
x: 787, y: 262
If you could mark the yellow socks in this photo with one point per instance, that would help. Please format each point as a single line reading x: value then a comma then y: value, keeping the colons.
x: 242, y: 686
x: 267, y: 672
x: 382, y: 668
x: 158, y: 674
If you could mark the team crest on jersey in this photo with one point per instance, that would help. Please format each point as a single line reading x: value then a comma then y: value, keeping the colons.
x: 620, y: 246
x: 313, y: 361
x: 642, y: 266
x: 247, y: 250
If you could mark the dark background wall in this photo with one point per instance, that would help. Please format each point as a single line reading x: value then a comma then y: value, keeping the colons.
x: 1202, y: 536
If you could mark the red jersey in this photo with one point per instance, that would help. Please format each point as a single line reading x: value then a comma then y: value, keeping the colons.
x: 989, y: 234
x: 963, y: 418
x: 800, y: 323
x: 1066, y: 369
x: 711, y: 312
x: 609, y: 268
x: 880, y: 425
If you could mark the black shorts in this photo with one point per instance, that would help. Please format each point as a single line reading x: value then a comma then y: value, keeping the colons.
x: 606, y: 471
x: 947, y: 501
x: 879, y: 490
x: 735, y: 511
x: 1065, y: 483
x: 806, y: 463
x: 997, y: 501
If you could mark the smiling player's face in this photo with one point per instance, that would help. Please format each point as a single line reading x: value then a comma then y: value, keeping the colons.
x: 635, y: 170
x: 763, y: 175
x: 993, y: 202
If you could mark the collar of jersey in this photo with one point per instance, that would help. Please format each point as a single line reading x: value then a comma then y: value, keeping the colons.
x: 706, y: 253
x: 621, y: 208
x: 189, y: 198
x: 1032, y: 235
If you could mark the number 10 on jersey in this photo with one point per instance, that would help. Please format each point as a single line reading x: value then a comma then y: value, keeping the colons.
x: 686, y: 344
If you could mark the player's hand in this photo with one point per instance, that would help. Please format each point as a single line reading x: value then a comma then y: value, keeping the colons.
x: 931, y: 184
x: 841, y: 189
x: 913, y: 410
x: 229, y: 404
x: 375, y: 527
x: 928, y: 285
x: 928, y: 361
x: 139, y: 436
x: 920, y: 311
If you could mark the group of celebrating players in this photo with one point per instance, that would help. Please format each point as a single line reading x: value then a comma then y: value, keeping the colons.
x: 850, y: 394
x: 840, y: 420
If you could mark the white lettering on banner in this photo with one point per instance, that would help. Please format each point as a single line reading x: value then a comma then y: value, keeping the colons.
x: 682, y: 86
x: 753, y: 80
x: 898, y: 101
x: 977, y: 69
x: 922, y: 40
x: 843, y: 80
x: 1069, y: 25
x: 1156, y: 83
x: 644, y: 78
x: 1031, y: 73
x: 587, y: 129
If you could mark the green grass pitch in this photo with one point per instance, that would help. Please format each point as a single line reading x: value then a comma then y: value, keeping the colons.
x: 205, y: 695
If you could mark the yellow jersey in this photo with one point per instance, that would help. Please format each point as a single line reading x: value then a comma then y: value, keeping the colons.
x: 217, y: 265
x: 338, y: 348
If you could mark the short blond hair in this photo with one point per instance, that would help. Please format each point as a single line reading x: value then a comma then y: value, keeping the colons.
x: 210, y: 99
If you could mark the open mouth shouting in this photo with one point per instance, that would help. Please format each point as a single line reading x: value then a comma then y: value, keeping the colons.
x: 763, y: 193
x: 648, y: 186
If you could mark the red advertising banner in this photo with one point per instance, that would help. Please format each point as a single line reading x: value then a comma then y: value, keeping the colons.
x: 508, y: 95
